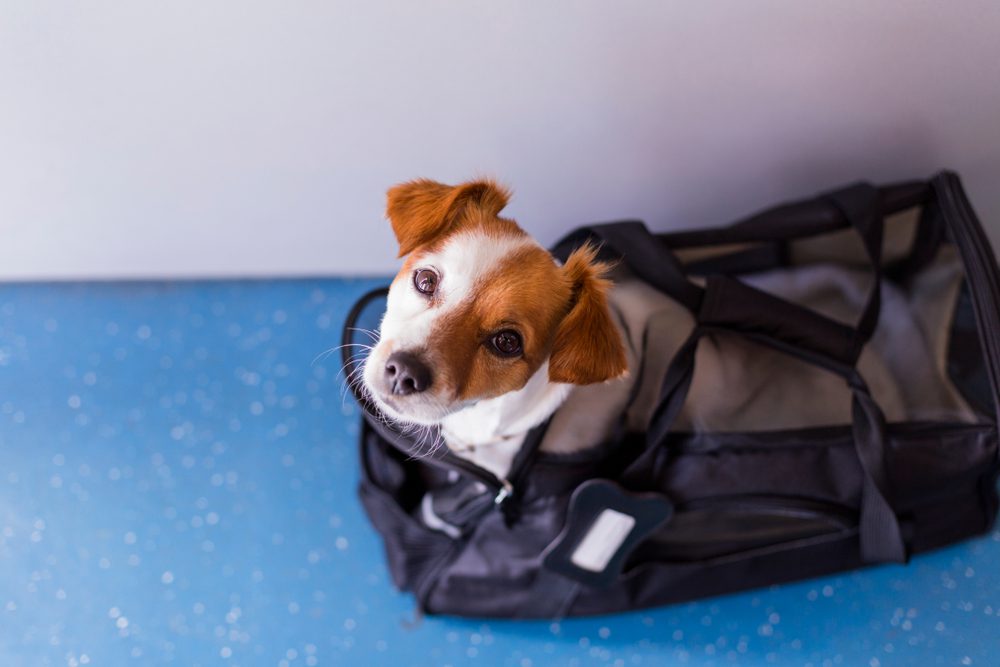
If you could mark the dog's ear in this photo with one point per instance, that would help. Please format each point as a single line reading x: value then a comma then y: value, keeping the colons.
x: 587, y: 346
x: 421, y: 211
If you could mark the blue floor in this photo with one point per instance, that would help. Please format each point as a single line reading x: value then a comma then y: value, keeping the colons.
x: 177, y: 485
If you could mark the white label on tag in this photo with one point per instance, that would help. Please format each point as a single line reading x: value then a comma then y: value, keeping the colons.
x: 602, y: 541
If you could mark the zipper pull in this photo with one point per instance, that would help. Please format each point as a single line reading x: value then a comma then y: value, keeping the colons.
x: 510, y: 511
x: 506, y: 489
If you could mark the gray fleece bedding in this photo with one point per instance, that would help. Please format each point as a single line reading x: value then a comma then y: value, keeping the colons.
x: 742, y: 386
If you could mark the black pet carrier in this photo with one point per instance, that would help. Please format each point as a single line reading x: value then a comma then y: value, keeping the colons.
x: 825, y: 397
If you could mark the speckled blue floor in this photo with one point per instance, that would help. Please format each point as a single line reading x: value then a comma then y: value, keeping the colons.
x: 177, y: 485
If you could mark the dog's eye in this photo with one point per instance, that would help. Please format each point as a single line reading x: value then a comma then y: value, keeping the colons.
x: 426, y: 281
x: 506, y: 343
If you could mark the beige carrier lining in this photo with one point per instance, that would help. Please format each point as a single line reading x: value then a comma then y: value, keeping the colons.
x: 742, y: 386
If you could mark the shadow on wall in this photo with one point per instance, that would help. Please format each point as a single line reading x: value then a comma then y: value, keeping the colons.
x: 713, y: 195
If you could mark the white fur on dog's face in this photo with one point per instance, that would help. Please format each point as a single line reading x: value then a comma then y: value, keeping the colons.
x: 413, y: 323
x: 493, y: 282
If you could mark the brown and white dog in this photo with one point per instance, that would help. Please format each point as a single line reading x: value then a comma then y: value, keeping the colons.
x: 485, y: 333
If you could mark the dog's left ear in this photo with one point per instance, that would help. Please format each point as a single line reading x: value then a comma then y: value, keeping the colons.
x: 423, y: 210
x: 587, y: 347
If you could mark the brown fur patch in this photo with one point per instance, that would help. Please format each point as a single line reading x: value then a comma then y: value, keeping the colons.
x: 423, y: 211
x: 525, y: 292
x: 587, y: 346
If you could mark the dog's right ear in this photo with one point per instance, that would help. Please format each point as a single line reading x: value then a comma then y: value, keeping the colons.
x: 423, y: 210
x: 587, y: 346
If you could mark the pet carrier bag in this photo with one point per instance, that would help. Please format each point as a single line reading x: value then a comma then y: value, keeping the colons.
x: 852, y: 341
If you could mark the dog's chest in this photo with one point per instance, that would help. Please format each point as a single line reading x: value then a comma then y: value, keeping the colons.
x: 477, y: 434
x: 491, y: 432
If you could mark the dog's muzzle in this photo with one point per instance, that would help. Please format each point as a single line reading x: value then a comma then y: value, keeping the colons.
x: 406, y: 374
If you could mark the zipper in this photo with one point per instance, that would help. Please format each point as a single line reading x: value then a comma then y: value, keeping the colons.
x: 784, y: 505
x: 981, y: 269
x: 803, y: 438
x: 501, y: 488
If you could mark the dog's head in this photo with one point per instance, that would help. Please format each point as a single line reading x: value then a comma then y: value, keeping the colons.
x: 479, y: 307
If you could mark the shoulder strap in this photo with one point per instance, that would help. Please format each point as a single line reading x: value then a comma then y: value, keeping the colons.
x: 632, y: 244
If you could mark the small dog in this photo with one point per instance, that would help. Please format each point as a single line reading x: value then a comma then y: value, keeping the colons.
x: 485, y: 333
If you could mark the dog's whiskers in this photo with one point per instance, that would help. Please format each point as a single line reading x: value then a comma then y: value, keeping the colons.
x: 374, y: 335
x: 427, y: 440
x: 352, y: 379
x: 326, y: 353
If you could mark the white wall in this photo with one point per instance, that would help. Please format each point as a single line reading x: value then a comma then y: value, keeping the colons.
x: 192, y: 138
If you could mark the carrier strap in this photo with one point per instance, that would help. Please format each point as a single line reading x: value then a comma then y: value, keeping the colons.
x: 859, y: 205
x: 634, y: 245
x: 806, y: 218
x: 856, y: 206
x: 734, y: 305
x: 650, y: 258
x: 880, y: 535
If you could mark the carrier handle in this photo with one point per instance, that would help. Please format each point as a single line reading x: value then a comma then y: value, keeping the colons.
x: 733, y: 305
x: 633, y: 244
x: 858, y: 206
x: 788, y: 222
x: 880, y: 535
x: 649, y: 257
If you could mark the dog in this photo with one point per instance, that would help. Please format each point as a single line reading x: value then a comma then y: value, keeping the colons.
x: 485, y: 333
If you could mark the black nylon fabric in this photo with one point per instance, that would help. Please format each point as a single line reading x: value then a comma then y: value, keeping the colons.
x: 731, y: 304
x: 748, y: 508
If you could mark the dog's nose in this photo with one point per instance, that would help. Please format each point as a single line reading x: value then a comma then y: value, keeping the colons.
x: 406, y: 374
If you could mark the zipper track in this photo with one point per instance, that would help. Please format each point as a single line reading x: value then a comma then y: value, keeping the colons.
x: 811, y: 437
x: 791, y: 504
x: 981, y: 267
x: 445, y: 460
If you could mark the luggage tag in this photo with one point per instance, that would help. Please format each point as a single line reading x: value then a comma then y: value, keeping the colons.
x: 603, y: 524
